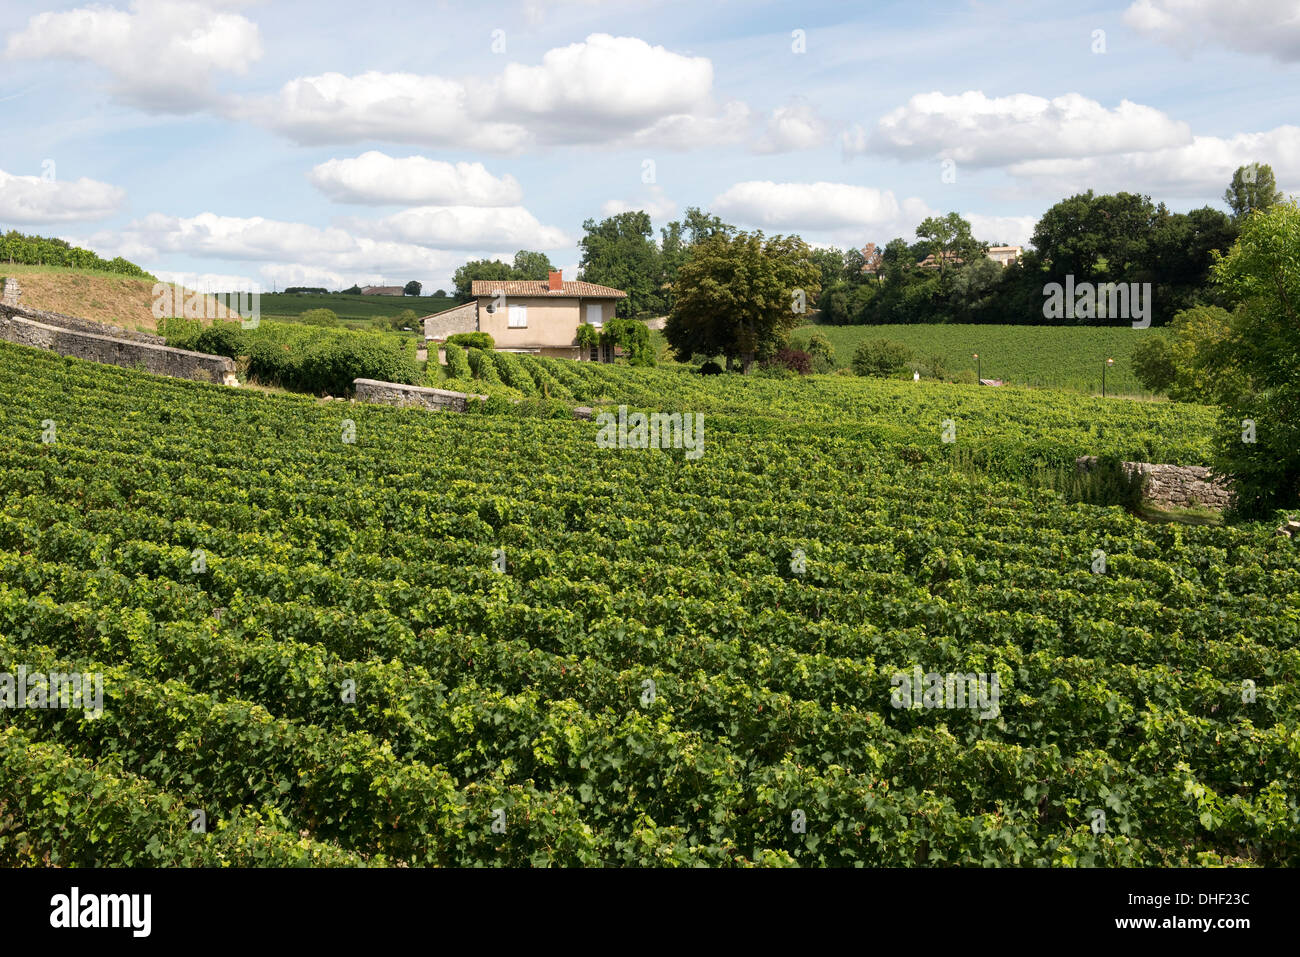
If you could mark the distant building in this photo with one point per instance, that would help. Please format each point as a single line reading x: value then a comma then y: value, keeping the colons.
x: 383, y: 291
x: 1004, y: 255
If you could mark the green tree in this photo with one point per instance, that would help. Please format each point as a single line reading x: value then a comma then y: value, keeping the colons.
x: 949, y: 237
x: 1262, y: 402
x: 740, y: 296
x: 620, y: 251
x: 412, y: 288
x: 1153, y: 364
x: 532, y: 265
x: 1253, y: 188
x: 493, y: 269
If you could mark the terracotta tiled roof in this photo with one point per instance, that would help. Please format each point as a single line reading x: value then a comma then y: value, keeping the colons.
x: 540, y: 287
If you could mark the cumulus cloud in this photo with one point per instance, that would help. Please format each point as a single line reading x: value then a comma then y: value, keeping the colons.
x: 210, y: 281
x: 34, y: 199
x: 379, y: 179
x: 817, y: 206
x: 257, y: 239
x: 1265, y: 27
x: 161, y: 55
x: 793, y: 127
x: 605, y: 89
x: 992, y: 131
x: 657, y: 205
x: 1202, y: 168
x: 1012, y: 230
x: 458, y: 227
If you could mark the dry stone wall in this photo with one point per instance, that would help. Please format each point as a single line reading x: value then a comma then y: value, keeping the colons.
x: 403, y: 396
x: 17, y: 327
x: 1181, y: 486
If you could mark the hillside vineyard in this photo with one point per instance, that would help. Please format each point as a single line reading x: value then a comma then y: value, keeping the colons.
x: 483, y: 639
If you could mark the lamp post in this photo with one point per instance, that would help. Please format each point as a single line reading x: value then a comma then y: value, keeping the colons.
x: 976, y: 357
x: 1109, y: 363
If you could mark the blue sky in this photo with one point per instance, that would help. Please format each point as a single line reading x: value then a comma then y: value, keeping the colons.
x: 292, y: 143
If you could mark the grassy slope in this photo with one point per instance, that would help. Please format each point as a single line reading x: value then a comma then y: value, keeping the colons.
x: 99, y: 296
x: 1067, y: 357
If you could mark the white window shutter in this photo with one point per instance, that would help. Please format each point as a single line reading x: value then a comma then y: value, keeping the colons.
x: 518, y: 317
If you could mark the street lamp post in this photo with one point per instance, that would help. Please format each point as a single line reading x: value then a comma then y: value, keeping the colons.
x: 976, y: 357
x: 1108, y: 364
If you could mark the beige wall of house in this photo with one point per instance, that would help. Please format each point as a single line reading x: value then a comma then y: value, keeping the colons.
x: 550, y: 322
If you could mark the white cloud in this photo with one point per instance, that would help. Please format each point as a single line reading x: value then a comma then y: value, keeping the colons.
x: 1013, y: 230
x: 33, y: 199
x: 818, y: 206
x: 982, y: 131
x: 398, y: 107
x: 256, y: 239
x: 210, y: 281
x: 1267, y: 27
x: 379, y: 179
x: 1203, y: 168
x: 161, y: 55
x: 793, y: 127
x: 657, y: 205
x: 603, y: 90
x: 460, y: 227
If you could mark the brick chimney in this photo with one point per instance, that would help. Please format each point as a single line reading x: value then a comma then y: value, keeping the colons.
x: 556, y: 281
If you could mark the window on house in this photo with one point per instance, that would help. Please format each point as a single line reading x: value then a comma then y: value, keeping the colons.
x: 518, y: 317
x: 593, y: 314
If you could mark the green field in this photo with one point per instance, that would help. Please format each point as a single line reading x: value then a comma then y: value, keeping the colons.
x: 1059, y: 357
x: 486, y: 640
x: 352, y: 307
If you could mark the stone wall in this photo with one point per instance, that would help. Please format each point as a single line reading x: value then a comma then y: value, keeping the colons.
x: 77, y: 324
x: 12, y: 292
x: 158, y: 359
x: 393, y: 393
x: 451, y: 321
x: 1181, y: 486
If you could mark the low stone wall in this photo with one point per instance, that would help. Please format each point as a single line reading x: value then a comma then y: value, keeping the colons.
x: 158, y: 359
x: 1181, y: 486
x: 404, y: 396
x: 77, y: 324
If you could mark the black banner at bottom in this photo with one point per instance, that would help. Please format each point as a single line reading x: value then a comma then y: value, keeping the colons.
x: 332, y: 907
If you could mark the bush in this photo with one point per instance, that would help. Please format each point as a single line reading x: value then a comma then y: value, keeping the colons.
x: 821, y: 352
x: 473, y: 340
x: 882, y: 358
x: 710, y: 368
x: 457, y: 362
x: 319, y: 317
x: 482, y: 366
x: 931, y: 366
x: 301, y: 358
x: 1153, y: 364
x: 1106, y: 483
x: 793, y: 360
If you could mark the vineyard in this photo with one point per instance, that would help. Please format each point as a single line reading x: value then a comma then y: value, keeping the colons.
x: 351, y: 634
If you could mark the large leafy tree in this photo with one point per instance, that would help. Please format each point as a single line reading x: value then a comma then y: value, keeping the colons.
x: 532, y: 265
x: 949, y: 237
x: 620, y: 251
x: 1253, y: 187
x: 1261, y: 361
x: 480, y: 269
x: 740, y: 295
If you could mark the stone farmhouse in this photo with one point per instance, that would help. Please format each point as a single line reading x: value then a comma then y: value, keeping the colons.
x: 383, y: 291
x: 540, y: 317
